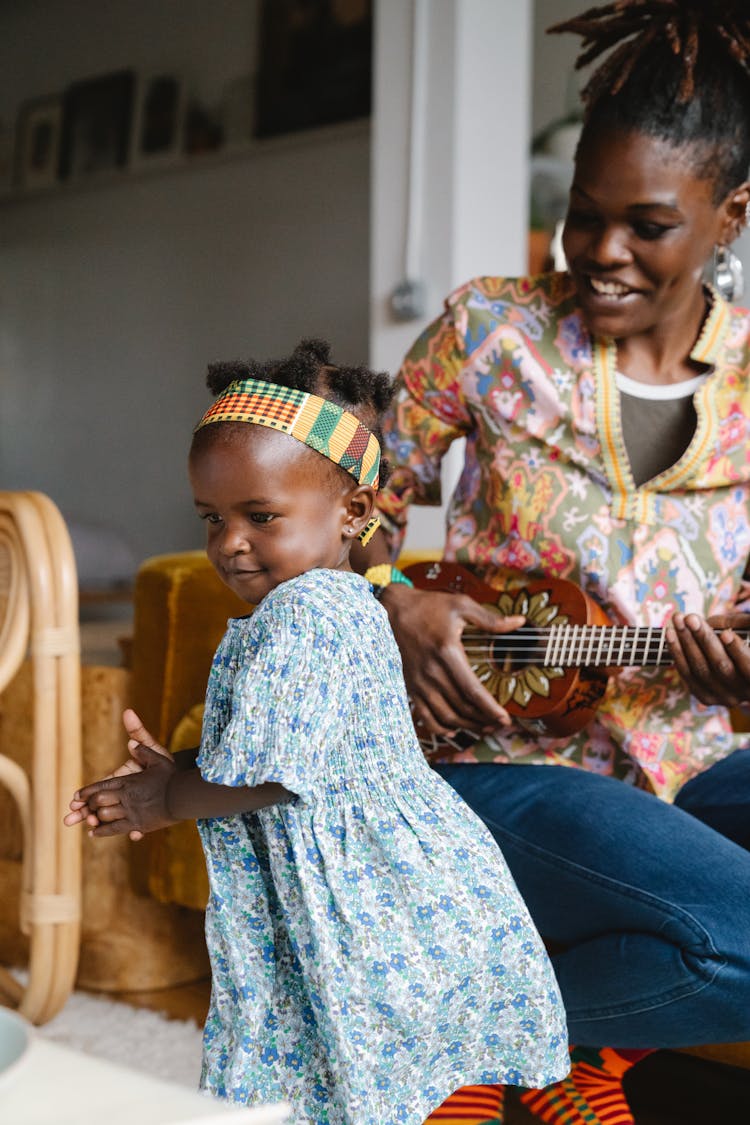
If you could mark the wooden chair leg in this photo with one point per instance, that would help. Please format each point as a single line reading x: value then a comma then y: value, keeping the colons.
x: 63, y: 913
x: 38, y: 569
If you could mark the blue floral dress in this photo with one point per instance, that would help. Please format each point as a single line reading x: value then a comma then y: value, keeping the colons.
x: 370, y: 950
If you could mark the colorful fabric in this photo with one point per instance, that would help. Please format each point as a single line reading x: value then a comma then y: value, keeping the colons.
x: 321, y: 424
x: 547, y: 489
x: 591, y: 1094
x: 370, y: 951
x: 471, y: 1105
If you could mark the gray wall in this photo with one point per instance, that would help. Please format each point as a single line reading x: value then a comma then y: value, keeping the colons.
x: 113, y: 297
x: 555, y: 81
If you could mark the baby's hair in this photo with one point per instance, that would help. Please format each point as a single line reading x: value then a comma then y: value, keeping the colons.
x: 362, y: 392
x: 678, y: 70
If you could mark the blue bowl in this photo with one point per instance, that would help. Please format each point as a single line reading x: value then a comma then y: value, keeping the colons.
x: 15, y: 1040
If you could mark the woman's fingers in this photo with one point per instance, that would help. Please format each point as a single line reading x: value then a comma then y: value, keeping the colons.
x: 712, y: 659
x: 733, y: 632
x: 445, y: 691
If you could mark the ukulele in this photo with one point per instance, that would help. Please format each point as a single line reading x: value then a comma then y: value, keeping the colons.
x: 552, y: 672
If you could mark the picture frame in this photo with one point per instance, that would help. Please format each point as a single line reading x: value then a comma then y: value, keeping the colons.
x: 158, y: 133
x: 316, y: 64
x: 97, y: 123
x: 38, y: 139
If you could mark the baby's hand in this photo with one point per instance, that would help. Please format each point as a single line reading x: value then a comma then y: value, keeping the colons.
x: 137, y: 733
x: 132, y: 803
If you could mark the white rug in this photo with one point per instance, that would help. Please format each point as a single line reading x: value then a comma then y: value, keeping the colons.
x: 134, y: 1037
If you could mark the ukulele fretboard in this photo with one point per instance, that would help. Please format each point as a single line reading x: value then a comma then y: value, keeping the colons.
x: 607, y: 646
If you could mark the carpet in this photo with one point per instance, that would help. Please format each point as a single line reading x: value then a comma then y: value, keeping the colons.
x: 697, y: 1091
x: 134, y: 1037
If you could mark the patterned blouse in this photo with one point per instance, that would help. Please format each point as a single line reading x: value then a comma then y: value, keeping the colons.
x: 547, y: 490
x: 370, y: 951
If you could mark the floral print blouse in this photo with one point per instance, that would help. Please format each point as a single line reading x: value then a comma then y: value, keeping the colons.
x: 370, y: 951
x: 547, y: 490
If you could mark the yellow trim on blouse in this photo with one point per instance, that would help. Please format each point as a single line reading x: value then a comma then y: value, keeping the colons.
x: 640, y: 504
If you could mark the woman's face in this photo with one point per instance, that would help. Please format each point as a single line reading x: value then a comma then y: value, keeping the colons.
x: 640, y: 227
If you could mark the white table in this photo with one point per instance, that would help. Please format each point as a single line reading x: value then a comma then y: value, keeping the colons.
x: 54, y: 1085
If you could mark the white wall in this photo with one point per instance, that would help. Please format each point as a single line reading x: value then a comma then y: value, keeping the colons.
x: 464, y: 211
x: 472, y: 203
x: 113, y: 298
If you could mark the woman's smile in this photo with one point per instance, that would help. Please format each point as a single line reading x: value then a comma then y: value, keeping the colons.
x: 610, y: 289
x: 640, y: 226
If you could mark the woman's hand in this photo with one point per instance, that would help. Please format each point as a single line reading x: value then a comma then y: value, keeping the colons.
x: 712, y: 659
x: 445, y: 693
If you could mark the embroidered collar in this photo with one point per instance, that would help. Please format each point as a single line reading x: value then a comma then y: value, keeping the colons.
x: 629, y: 502
x: 711, y: 336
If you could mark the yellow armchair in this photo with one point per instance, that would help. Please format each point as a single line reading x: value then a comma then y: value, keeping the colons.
x: 181, y: 609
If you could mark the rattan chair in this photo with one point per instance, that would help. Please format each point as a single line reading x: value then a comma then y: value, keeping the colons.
x: 39, y: 618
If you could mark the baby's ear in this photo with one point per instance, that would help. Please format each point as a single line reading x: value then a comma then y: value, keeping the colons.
x: 359, y: 509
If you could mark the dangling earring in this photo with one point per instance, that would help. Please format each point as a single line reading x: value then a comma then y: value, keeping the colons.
x: 728, y: 276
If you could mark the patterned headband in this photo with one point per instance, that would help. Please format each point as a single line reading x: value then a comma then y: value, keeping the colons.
x: 320, y: 424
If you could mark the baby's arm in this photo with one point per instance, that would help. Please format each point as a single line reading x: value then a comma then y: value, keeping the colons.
x: 160, y: 795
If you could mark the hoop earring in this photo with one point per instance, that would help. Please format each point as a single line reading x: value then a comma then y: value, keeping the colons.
x: 728, y: 276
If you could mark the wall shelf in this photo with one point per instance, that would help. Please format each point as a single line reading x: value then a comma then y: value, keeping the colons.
x: 251, y: 150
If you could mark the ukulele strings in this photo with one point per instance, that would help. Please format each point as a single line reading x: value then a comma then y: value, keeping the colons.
x: 521, y: 641
x: 496, y: 649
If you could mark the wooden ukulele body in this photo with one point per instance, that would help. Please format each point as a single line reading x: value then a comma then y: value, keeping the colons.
x: 555, y: 701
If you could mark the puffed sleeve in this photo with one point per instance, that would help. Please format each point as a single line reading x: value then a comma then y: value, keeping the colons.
x: 428, y: 413
x: 288, y: 702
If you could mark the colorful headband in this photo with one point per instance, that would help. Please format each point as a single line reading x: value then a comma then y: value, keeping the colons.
x: 318, y: 423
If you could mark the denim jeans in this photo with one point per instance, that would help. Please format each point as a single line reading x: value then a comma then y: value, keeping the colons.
x: 645, y: 905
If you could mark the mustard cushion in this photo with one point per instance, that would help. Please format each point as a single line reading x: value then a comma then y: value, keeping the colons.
x: 181, y: 609
x: 176, y: 866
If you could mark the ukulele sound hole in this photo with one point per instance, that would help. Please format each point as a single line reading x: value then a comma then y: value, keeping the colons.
x: 514, y: 651
x: 511, y: 666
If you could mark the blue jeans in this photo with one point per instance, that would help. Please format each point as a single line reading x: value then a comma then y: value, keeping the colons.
x: 646, y: 905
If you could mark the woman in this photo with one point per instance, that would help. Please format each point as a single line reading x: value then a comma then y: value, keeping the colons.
x: 606, y: 413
